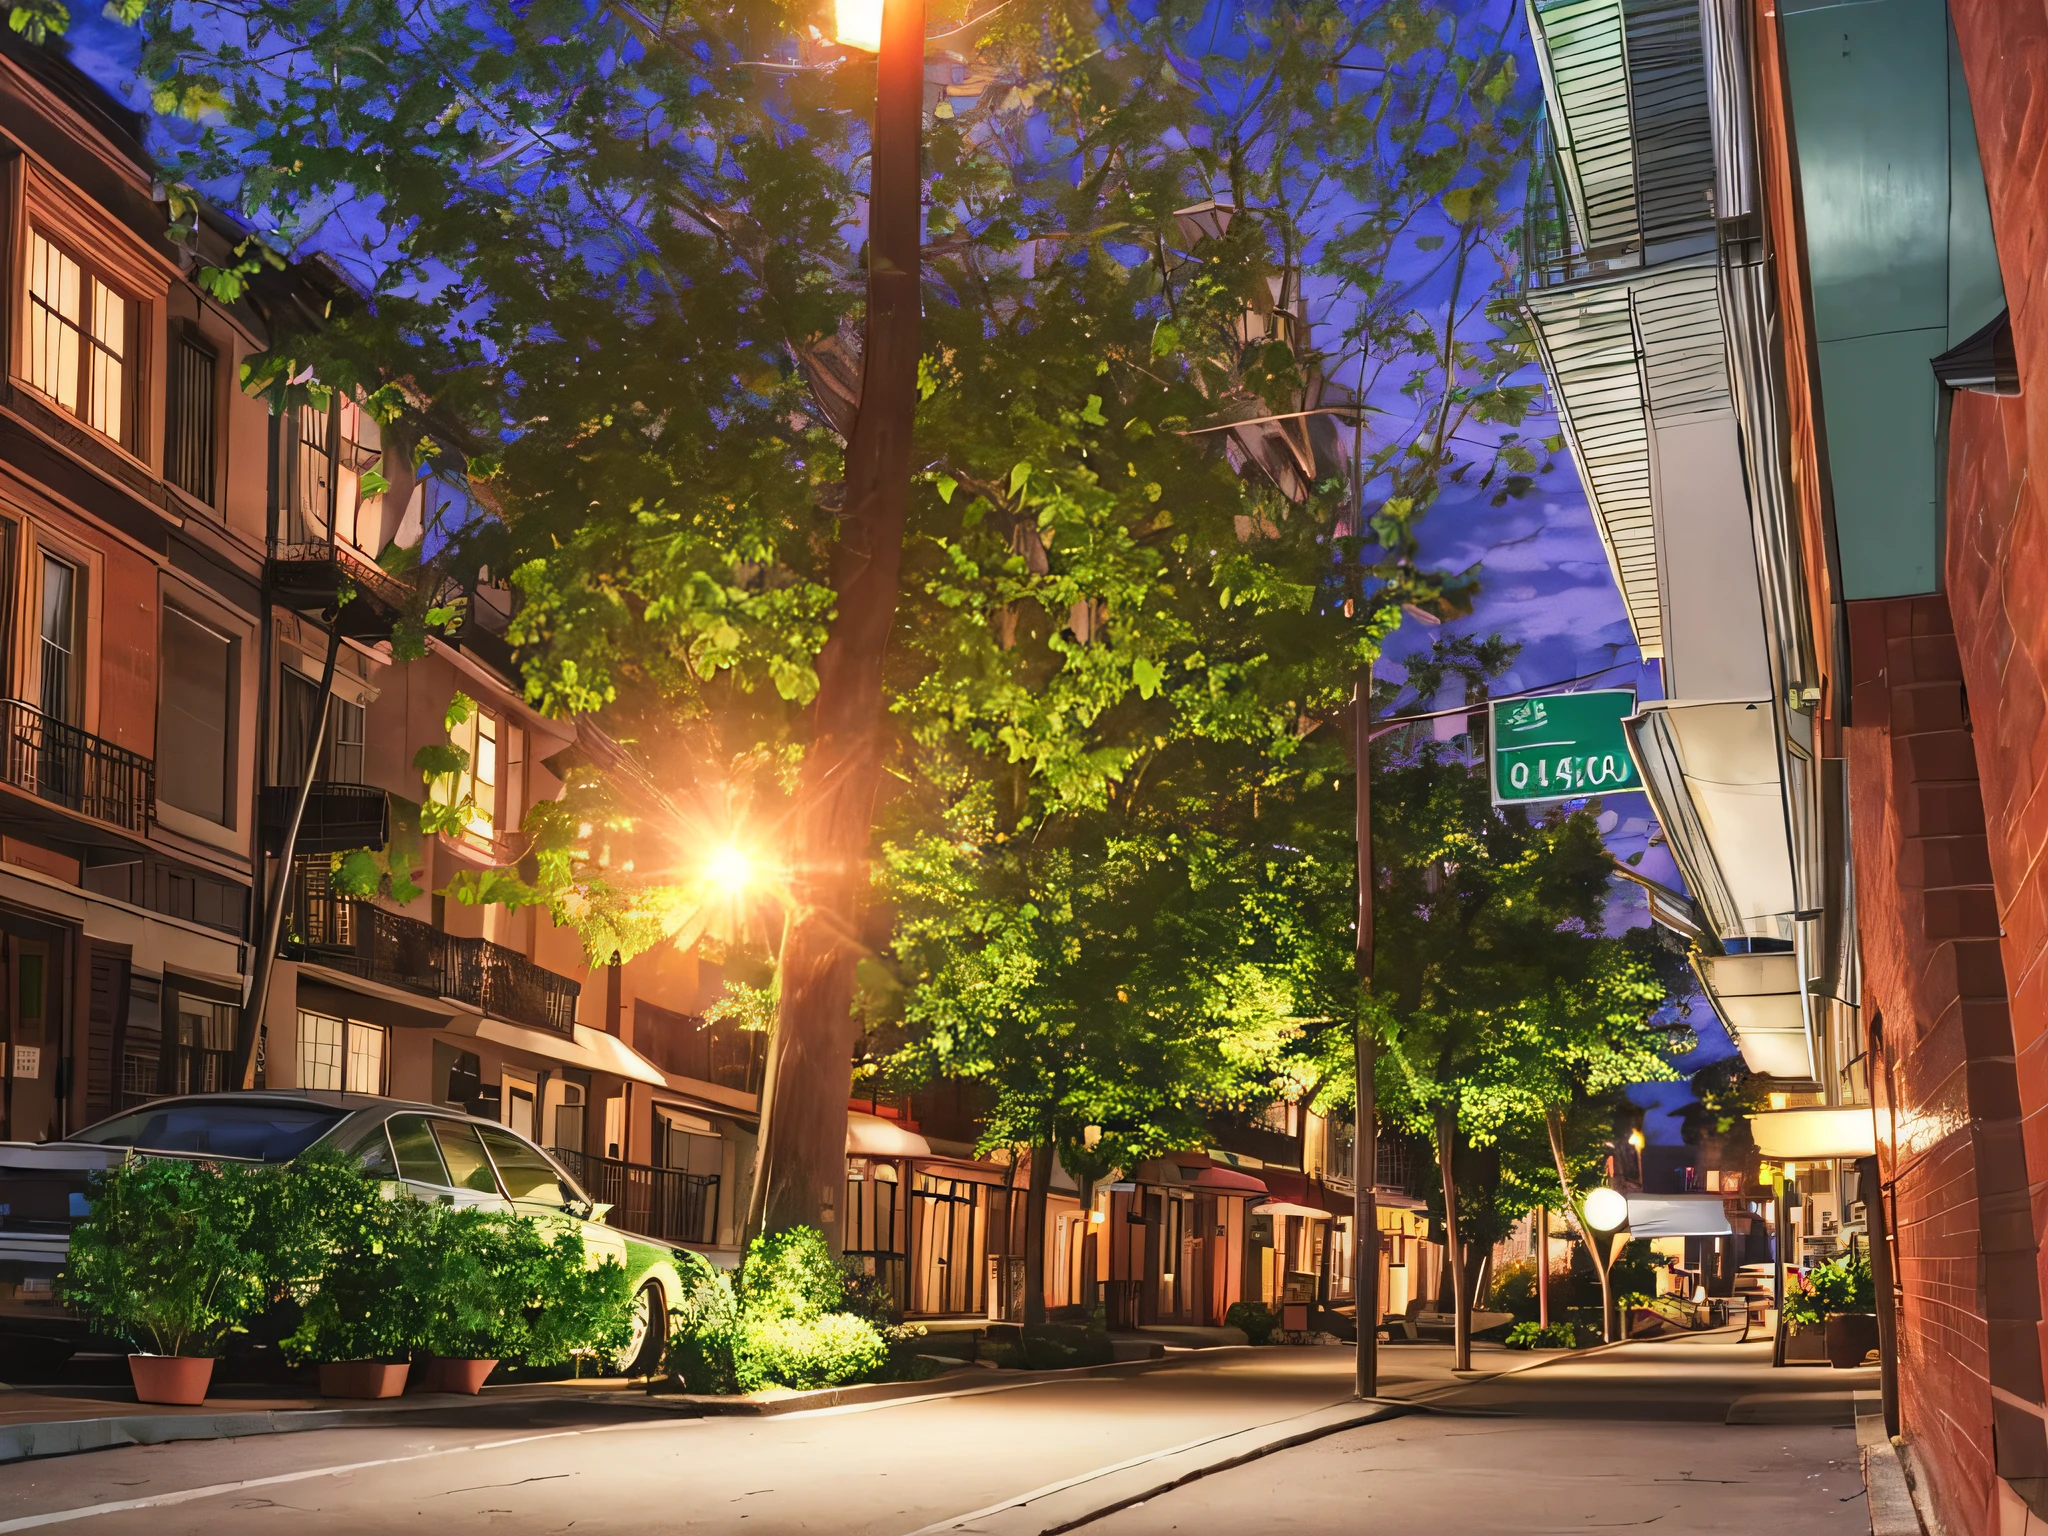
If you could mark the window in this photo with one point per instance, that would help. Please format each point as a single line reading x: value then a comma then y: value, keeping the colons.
x: 81, y: 341
x: 419, y: 1158
x: 341, y: 756
x: 361, y: 449
x: 341, y: 1054
x: 189, y: 419
x: 273, y: 1133
x: 468, y: 1165
x: 477, y: 737
x: 526, y: 1174
x: 309, y: 484
x: 686, y: 1143
x: 203, y: 1053
x: 569, y: 1118
x: 60, y: 692
x: 193, y: 752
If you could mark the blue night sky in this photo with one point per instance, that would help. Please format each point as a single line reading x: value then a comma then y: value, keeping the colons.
x: 1544, y: 582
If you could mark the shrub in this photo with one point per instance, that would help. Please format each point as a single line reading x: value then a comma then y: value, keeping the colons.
x: 366, y: 1301
x: 780, y: 1322
x: 498, y: 1287
x: 166, y: 1258
x: 1256, y: 1320
x: 827, y: 1350
x: 1840, y: 1285
x: 1534, y: 1336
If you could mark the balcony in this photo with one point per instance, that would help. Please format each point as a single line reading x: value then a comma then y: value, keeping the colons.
x: 67, y: 767
x: 311, y: 576
x: 365, y: 940
x: 339, y: 817
x: 662, y: 1203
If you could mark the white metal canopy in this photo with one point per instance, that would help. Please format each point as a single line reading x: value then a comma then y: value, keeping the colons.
x: 1678, y: 1216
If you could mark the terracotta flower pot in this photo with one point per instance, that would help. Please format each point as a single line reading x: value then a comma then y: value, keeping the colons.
x: 362, y: 1378
x: 439, y: 1373
x: 178, y: 1380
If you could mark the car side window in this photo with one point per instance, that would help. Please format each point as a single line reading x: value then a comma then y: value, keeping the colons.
x: 373, y: 1155
x: 418, y: 1157
x: 469, y: 1167
x: 524, y: 1170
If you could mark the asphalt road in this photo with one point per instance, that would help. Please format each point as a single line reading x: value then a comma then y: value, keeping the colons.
x: 895, y: 1468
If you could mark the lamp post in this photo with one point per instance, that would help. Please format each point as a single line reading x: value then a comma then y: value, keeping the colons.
x: 1365, y: 1143
x: 1605, y: 1210
x: 801, y: 1168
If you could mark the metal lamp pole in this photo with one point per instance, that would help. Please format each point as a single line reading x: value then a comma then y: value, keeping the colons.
x: 1365, y: 1152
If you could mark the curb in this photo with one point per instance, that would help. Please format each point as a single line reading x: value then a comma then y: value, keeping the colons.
x: 37, y: 1439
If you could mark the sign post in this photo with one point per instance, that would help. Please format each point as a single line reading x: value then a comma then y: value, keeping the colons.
x: 1561, y: 746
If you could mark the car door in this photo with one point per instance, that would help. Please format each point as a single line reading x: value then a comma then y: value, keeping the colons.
x: 416, y: 1159
x: 534, y: 1185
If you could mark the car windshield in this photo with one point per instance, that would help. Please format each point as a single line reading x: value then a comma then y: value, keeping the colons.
x: 270, y: 1133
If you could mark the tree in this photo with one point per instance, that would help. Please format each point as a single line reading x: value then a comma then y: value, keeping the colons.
x: 619, y: 330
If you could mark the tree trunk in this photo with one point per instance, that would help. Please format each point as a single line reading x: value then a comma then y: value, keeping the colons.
x: 1454, y: 1247
x: 801, y: 1165
x: 1553, y: 1124
x: 1034, y: 1232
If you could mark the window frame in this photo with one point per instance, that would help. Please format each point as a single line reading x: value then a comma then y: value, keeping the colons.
x: 94, y: 277
x: 188, y: 338
x: 231, y: 699
x: 345, y: 1053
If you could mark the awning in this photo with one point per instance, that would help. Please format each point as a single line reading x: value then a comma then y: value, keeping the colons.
x: 591, y: 1049
x: 1289, y: 1208
x: 872, y: 1136
x: 1224, y: 1181
x: 1761, y: 1000
x: 1714, y: 774
x: 1677, y: 1216
x: 1797, y: 1135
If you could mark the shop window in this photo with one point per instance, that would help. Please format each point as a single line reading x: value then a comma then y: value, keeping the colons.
x: 82, y: 335
x: 194, y: 718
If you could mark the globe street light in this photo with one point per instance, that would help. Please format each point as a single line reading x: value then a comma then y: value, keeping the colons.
x: 1606, y: 1209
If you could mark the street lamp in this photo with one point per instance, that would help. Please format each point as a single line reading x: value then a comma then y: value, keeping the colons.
x: 1606, y: 1209
x: 858, y: 24
x: 1635, y: 1140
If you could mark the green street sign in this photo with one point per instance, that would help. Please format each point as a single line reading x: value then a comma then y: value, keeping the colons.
x: 1561, y: 746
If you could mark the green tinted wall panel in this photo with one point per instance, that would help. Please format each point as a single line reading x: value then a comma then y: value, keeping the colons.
x: 1976, y: 292
x: 1871, y: 117
x: 1880, y: 400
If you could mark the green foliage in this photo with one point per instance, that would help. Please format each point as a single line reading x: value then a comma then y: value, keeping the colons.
x: 778, y: 1323
x: 167, y: 1257
x: 1842, y: 1284
x: 360, y: 1303
x: 500, y: 1287
x: 1255, y: 1318
x: 1051, y: 1347
x: 1532, y: 1336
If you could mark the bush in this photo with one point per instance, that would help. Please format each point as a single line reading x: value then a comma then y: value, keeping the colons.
x: 1840, y: 1285
x: 367, y: 1300
x: 780, y: 1322
x: 1534, y: 1336
x: 1051, y: 1347
x: 1256, y: 1320
x: 827, y: 1350
x: 498, y: 1287
x: 167, y: 1257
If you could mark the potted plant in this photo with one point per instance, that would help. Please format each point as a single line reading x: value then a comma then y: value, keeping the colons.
x: 163, y: 1260
x: 361, y: 1321
x: 472, y: 1281
x: 1842, y: 1292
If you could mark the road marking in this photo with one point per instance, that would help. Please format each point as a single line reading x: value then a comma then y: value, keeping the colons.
x: 215, y: 1490
x: 1018, y: 1501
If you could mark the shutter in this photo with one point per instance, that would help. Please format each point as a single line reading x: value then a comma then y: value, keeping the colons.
x: 106, y: 1011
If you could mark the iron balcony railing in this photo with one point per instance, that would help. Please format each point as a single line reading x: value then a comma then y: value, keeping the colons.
x: 66, y: 766
x: 663, y: 1203
x: 366, y: 940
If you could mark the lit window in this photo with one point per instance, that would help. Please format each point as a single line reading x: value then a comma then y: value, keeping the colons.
x: 80, y: 340
x: 320, y: 1045
x: 478, y: 783
x: 366, y: 1053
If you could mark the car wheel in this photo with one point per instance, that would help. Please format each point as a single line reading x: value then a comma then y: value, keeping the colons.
x: 648, y: 1340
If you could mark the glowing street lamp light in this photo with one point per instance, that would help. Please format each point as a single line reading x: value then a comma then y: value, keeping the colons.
x: 1606, y: 1209
x: 858, y: 24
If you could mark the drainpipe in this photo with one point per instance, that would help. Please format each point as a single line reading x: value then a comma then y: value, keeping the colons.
x: 273, y: 915
x: 1877, y: 1228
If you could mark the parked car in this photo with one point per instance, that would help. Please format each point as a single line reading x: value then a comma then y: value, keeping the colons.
x: 434, y: 1153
